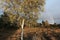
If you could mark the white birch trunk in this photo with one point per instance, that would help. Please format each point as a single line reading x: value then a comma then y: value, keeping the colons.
x: 22, y: 29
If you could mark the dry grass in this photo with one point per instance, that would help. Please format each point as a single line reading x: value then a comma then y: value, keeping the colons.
x: 31, y: 34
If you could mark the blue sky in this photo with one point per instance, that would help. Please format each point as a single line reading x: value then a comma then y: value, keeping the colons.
x: 51, y: 13
x: 1, y: 11
x: 53, y: 8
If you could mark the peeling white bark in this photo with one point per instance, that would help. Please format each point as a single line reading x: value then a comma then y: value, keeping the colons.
x: 22, y: 29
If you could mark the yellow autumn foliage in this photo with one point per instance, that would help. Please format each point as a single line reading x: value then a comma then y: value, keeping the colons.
x: 26, y: 9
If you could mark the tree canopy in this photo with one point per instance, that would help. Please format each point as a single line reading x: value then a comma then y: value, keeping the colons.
x: 23, y: 9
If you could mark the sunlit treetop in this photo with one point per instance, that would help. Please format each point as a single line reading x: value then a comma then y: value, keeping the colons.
x: 25, y: 6
x: 31, y: 5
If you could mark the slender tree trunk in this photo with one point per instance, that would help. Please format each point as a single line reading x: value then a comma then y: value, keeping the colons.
x: 22, y: 29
